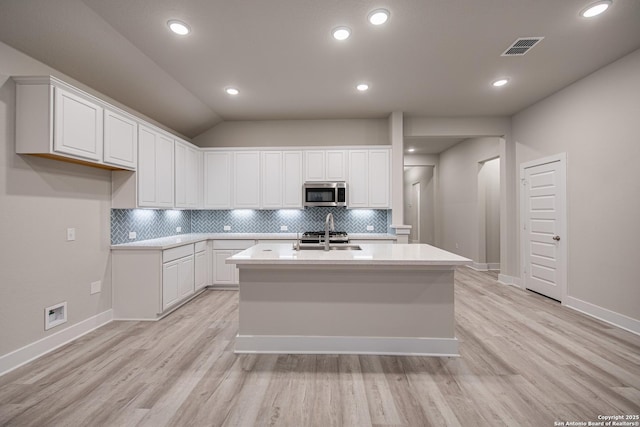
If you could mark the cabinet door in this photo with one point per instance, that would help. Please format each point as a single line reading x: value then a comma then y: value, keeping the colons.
x: 223, y: 273
x: 335, y: 165
x: 358, y: 184
x: 120, y: 140
x: 185, y: 277
x: 246, y: 179
x: 314, y: 165
x: 200, y: 270
x: 379, y: 179
x: 78, y: 126
x: 164, y: 171
x: 217, y: 180
x: 186, y: 175
x: 193, y: 177
x: 146, y: 167
x: 272, y: 179
x: 292, y: 179
x: 170, y: 279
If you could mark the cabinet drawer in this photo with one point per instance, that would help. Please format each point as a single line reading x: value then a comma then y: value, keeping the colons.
x: 176, y: 253
x: 233, y: 244
x: 201, y: 246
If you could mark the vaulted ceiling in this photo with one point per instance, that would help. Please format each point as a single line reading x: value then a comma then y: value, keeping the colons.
x: 432, y: 58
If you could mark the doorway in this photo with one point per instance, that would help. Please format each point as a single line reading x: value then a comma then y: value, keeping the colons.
x: 489, y: 215
x: 543, y: 226
x: 419, y: 203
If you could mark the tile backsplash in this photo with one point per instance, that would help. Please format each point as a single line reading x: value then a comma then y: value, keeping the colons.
x: 151, y: 224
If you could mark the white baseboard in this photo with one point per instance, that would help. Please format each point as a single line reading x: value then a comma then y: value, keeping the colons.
x: 29, y: 352
x: 510, y: 280
x: 485, y: 266
x: 291, y: 344
x: 608, y: 316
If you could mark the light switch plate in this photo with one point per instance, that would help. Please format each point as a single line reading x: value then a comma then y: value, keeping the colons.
x: 71, y: 234
x: 227, y: 228
x: 132, y: 235
x: 369, y: 227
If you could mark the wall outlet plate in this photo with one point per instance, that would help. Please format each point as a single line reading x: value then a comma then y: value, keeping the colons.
x: 96, y: 287
x: 178, y: 229
x: 283, y: 228
x: 55, y: 315
x: 369, y: 227
x: 227, y: 228
x: 71, y: 234
x: 132, y: 235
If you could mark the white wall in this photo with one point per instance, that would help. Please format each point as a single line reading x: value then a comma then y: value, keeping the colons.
x: 39, y: 200
x: 457, y: 229
x: 285, y: 133
x: 596, y: 121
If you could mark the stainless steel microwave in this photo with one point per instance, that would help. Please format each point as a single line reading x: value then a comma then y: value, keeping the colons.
x: 325, y: 193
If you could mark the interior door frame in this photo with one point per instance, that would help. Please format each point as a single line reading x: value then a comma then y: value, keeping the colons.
x: 562, y: 231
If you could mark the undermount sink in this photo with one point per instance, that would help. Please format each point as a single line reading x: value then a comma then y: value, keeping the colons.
x: 331, y: 248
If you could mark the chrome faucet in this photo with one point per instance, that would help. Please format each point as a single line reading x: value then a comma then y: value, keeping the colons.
x: 327, y: 227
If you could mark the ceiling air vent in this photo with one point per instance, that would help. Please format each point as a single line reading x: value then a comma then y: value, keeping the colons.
x: 521, y: 46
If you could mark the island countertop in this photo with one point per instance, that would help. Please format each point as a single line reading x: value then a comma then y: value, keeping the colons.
x: 370, y: 254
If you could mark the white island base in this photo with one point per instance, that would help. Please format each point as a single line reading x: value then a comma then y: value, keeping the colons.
x: 384, y: 299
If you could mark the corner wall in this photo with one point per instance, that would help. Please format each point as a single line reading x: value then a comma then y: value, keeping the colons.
x: 40, y: 199
x: 596, y: 121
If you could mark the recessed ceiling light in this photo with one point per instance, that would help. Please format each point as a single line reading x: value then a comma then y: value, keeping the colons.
x: 411, y: 150
x: 232, y: 91
x: 379, y: 16
x: 362, y: 87
x: 595, y: 9
x: 341, y: 33
x: 500, y: 82
x: 179, y: 27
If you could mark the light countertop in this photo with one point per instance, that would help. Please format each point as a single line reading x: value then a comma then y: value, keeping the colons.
x: 184, y: 239
x: 371, y: 254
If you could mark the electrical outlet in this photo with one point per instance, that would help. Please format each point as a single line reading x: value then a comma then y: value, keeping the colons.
x: 132, y: 235
x: 369, y: 227
x: 71, y: 234
x: 96, y: 287
x: 178, y: 229
x: 457, y: 246
x: 227, y: 228
x: 283, y: 228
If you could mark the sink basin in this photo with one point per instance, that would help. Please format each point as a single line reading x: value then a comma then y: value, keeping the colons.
x: 331, y: 248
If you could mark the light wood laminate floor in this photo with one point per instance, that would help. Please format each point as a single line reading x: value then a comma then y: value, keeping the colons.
x: 525, y: 360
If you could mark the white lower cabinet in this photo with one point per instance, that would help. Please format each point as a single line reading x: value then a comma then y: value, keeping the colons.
x: 148, y: 283
x: 226, y: 275
x: 201, y: 265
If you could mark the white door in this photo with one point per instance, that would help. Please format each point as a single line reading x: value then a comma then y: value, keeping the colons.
x: 120, y: 140
x: 272, y: 179
x: 543, y: 228
x: 335, y: 162
x: 292, y: 179
x: 378, y: 177
x: 185, y: 277
x: 170, y: 280
x: 217, y: 180
x: 358, y: 178
x: 246, y: 181
x: 78, y: 126
x: 314, y: 166
x: 164, y: 171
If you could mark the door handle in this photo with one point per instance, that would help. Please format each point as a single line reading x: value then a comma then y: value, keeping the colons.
x: 556, y: 238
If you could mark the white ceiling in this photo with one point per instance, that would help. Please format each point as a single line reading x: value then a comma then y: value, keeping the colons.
x: 433, y: 57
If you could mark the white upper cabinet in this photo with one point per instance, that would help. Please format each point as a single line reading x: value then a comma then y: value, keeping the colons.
x: 281, y: 179
x: 292, y: 179
x: 155, y: 169
x: 120, y: 140
x: 369, y: 178
x: 272, y: 182
x: 78, y: 125
x: 56, y: 120
x: 187, y: 175
x: 217, y: 179
x: 379, y: 177
x: 358, y: 181
x: 325, y: 165
x: 246, y: 182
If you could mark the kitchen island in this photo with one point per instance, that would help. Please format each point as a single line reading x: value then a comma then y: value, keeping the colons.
x: 379, y: 299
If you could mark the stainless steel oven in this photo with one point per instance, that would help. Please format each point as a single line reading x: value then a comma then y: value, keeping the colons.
x: 325, y: 193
